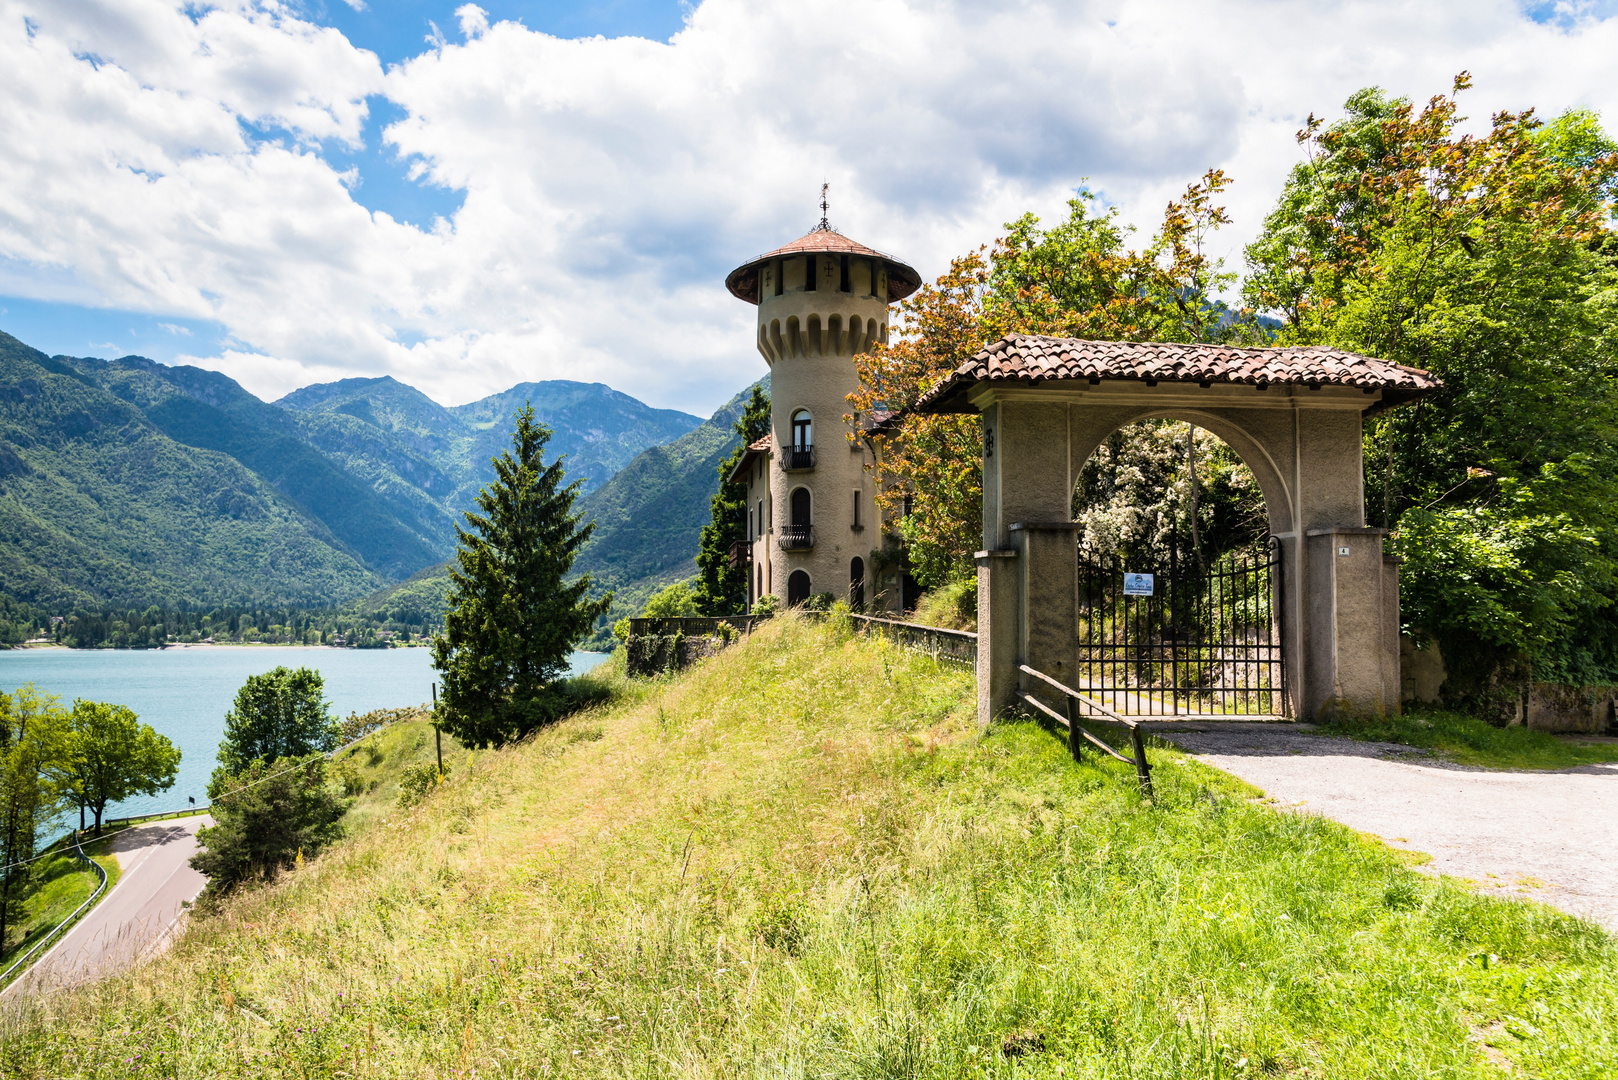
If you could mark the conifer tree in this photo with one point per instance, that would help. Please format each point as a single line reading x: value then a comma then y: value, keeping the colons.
x: 513, y: 617
x: 722, y: 589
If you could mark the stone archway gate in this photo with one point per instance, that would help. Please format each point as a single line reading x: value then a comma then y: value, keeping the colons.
x: 1294, y: 415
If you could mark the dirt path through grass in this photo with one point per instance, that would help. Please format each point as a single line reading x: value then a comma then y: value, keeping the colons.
x: 1545, y: 835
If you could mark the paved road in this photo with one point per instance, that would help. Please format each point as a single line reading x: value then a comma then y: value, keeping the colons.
x: 137, y: 917
x: 1545, y: 835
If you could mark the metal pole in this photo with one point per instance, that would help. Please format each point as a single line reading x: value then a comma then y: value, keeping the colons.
x: 438, y: 735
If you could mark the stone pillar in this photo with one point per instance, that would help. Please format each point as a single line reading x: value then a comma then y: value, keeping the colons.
x: 1352, y: 650
x: 1048, y: 612
x: 997, y: 631
x: 1029, y: 549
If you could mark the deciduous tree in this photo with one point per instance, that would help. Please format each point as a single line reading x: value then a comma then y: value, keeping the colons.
x: 281, y: 713
x: 1489, y: 261
x: 32, y: 732
x: 265, y: 817
x: 108, y: 755
x: 1075, y: 279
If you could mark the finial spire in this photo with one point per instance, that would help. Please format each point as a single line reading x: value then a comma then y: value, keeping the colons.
x: 824, y: 206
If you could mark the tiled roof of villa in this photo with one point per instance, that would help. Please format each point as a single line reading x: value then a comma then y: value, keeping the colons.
x: 1026, y: 359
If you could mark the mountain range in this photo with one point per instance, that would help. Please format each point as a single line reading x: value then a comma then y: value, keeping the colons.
x: 129, y: 482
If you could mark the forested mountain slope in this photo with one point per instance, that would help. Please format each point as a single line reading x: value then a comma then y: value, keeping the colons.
x: 648, y: 519
x: 396, y: 437
x: 390, y: 530
x: 599, y: 429
x: 98, y: 503
x: 130, y: 482
x: 650, y: 515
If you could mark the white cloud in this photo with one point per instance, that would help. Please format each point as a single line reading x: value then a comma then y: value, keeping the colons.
x: 183, y: 331
x: 172, y: 162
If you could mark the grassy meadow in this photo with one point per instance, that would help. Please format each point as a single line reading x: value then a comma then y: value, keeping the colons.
x: 802, y: 858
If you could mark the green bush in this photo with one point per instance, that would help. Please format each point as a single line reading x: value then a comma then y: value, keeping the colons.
x: 416, y: 780
x: 266, y: 817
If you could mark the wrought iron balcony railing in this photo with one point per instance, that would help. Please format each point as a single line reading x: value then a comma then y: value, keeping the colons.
x: 797, y: 538
x: 795, y: 459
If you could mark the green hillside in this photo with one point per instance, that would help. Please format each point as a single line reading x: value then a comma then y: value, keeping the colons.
x: 804, y: 858
x: 129, y: 482
x: 98, y: 503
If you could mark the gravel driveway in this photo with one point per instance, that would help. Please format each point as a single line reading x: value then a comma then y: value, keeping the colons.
x: 1552, y: 836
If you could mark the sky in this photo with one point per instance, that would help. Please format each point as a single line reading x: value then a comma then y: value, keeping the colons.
x: 468, y: 196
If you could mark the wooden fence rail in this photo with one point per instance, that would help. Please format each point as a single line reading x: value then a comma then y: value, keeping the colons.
x: 1082, y: 707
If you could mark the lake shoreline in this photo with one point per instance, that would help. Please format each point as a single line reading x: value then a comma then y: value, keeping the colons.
x: 185, y: 691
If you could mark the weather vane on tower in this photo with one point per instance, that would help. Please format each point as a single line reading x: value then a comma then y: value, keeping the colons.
x: 824, y: 206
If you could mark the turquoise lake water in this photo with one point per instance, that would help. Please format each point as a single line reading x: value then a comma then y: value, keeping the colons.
x: 185, y: 693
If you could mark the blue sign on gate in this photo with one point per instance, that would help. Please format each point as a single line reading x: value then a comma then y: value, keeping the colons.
x: 1137, y: 584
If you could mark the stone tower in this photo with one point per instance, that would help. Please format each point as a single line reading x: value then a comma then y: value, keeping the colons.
x: 812, y: 522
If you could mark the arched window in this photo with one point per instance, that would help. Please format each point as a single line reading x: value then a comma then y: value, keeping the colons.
x: 856, y: 584
x: 801, y: 508
x: 797, y: 588
x: 802, y: 431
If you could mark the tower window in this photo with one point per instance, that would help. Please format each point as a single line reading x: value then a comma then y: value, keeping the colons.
x: 845, y: 286
x: 802, y: 433
x: 808, y: 273
x: 780, y: 275
x: 857, y: 522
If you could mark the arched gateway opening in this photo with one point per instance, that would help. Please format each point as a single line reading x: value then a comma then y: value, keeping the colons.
x: 1179, y: 580
x: 1293, y: 417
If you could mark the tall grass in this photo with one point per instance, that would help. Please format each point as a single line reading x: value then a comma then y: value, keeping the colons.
x: 802, y: 858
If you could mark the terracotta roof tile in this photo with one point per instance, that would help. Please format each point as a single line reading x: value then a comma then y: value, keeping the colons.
x: 754, y: 450
x: 1028, y: 359
x: 902, y: 279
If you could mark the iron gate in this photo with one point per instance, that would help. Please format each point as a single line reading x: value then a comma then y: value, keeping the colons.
x: 1205, y: 641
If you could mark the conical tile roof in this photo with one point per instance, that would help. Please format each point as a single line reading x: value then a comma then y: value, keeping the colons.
x: 902, y: 279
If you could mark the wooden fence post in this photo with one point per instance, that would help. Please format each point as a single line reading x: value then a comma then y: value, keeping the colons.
x: 1073, y: 737
x: 1142, y: 770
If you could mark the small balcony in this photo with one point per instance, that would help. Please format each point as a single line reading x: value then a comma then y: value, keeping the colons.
x: 796, y: 537
x: 741, y: 554
x: 797, y: 459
